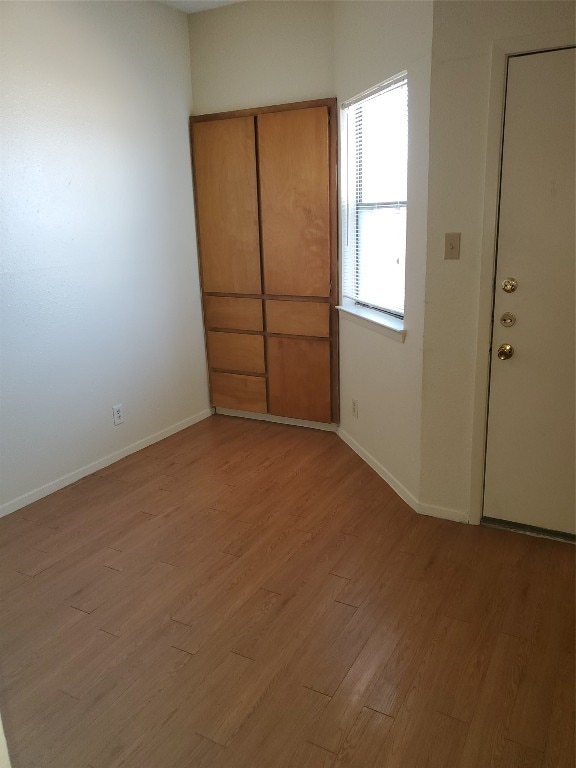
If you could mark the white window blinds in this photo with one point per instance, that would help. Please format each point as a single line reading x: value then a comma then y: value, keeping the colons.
x: 375, y: 196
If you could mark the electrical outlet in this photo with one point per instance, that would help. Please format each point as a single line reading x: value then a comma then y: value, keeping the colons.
x: 117, y: 415
x: 355, y: 408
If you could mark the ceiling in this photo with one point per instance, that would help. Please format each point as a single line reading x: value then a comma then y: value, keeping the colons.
x: 193, y: 6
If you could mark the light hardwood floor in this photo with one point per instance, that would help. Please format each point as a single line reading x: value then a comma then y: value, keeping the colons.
x: 251, y: 595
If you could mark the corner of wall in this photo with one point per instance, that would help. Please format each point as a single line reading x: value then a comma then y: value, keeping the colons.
x: 55, y: 485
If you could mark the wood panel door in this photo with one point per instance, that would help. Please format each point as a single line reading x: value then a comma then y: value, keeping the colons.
x: 295, y: 201
x: 224, y: 153
x: 299, y: 378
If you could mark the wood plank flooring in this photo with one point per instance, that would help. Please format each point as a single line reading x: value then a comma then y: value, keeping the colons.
x: 251, y: 595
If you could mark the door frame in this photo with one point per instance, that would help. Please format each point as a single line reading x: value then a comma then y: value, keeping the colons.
x: 501, y: 51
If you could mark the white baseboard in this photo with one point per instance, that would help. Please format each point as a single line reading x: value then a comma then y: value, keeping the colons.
x: 278, y: 419
x: 78, y: 474
x: 418, y: 506
x: 400, y: 489
x: 72, y: 477
x: 446, y: 513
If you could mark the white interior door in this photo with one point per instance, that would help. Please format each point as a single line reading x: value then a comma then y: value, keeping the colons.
x: 530, y: 476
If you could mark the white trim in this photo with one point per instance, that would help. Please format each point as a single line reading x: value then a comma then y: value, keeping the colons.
x: 400, y: 489
x: 387, y: 325
x: 278, y: 419
x: 421, y: 508
x: 348, y: 158
x: 386, y: 85
x: 78, y: 474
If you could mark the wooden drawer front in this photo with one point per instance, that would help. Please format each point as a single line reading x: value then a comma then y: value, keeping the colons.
x: 236, y: 351
x: 300, y: 318
x: 299, y: 378
x: 241, y: 393
x: 234, y: 313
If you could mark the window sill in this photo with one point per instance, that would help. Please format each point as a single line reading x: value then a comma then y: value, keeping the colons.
x: 390, y: 326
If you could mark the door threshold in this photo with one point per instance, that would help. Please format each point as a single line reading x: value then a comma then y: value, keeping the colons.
x: 531, y: 530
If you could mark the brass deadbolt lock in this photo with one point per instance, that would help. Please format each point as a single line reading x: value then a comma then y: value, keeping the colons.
x: 510, y: 284
x: 507, y: 319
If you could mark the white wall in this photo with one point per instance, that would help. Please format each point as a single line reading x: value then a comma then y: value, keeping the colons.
x: 464, y: 145
x: 372, y: 42
x: 99, y: 280
x: 99, y: 288
x: 258, y: 53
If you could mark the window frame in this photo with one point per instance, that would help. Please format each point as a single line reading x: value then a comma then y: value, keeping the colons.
x: 389, y: 318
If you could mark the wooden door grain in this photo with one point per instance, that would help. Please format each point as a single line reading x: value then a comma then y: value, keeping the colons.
x: 298, y: 318
x: 224, y: 154
x: 233, y: 313
x: 295, y: 201
x: 299, y: 378
x: 240, y: 352
x: 241, y: 393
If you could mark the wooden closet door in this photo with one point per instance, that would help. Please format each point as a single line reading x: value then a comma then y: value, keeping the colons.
x: 227, y: 204
x: 295, y: 201
x: 299, y: 378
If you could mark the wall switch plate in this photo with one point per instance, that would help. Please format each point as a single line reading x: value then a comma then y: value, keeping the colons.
x: 452, y: 245
x: 355, y: 408
x: 117, y: 415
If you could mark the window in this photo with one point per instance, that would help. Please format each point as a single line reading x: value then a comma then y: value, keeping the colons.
x: 375, y: 168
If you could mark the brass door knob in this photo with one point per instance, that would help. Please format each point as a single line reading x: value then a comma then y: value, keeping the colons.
x: 505, y: 351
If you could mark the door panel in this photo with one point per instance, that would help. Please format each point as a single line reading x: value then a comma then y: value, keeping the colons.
x: 227, y: 204
x: 231, y: 312
x: 241, y: 393
x: 236, y: 351
x: 530, y: 443
x: 299, y: 318
x: 299, y: 378
x: 294, y: 187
